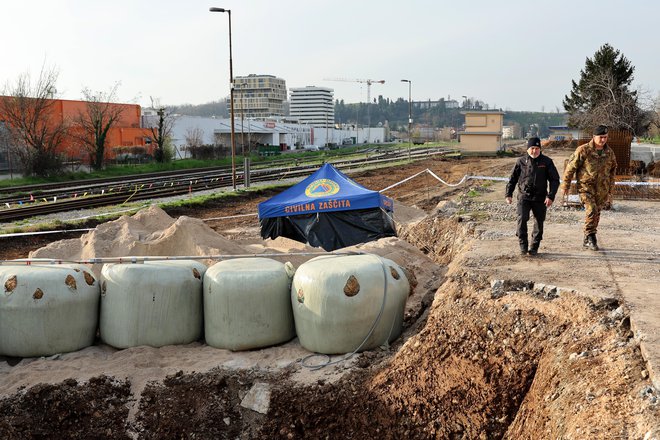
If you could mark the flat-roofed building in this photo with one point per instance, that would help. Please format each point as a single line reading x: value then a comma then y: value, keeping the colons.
x: 259, y: 96
x: 483, y: 131
x: 313, y: 105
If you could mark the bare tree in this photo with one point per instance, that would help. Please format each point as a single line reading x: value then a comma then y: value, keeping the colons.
x: 603, y: 94
x: 654, y: 128
x: 194, y: 137
x: 35, y: 129
x: 194, y: 140
x: 95, y: 122
x: 161, y: 129
x: 616, y: 106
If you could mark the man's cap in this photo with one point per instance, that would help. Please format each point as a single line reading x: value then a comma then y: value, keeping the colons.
x: 601, y: 130
x: 534, y: 142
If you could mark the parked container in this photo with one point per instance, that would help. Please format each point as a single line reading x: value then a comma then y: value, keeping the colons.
x: 47, y: 309
x: 247, y: 305
x: 338, y: 299
x: 154, y: 303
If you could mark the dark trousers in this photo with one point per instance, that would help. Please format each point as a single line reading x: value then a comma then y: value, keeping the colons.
x: 538, y: 209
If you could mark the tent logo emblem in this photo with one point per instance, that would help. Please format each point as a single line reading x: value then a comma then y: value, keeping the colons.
x: 322, y: 188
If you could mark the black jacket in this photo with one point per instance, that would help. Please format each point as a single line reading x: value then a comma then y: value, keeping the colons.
x: 532, y: 177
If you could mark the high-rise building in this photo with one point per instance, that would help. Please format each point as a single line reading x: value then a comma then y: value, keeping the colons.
x: 313, y: 105
x: 259, y: 96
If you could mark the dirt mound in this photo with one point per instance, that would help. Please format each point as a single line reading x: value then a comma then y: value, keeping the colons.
x: 150, y: 232
x: 566, y: 144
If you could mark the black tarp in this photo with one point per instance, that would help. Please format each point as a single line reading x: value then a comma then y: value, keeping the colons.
x: 331, y: 230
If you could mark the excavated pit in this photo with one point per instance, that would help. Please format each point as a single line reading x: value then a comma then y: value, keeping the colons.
x: 482, y: 359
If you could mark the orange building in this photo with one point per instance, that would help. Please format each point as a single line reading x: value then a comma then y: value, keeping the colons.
x: 127, y: 131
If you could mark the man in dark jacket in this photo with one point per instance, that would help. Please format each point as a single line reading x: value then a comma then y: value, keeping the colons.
x: 532, y: 174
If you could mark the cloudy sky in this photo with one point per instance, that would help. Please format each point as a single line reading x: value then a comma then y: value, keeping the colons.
x: 512, y: 54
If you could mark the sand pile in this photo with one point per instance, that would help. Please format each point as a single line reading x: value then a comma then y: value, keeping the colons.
x: 151, y: 232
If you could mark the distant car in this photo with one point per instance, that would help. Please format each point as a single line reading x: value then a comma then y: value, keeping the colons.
x: 311, y: 147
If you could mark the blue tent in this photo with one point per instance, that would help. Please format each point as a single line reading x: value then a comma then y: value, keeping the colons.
x: 327, y: 209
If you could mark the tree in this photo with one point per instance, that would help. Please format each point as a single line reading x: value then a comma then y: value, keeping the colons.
x: 161, y: 128
x: 99, y: 116
x: 654, y: 128
x: 194, y: 137
x: 35, y: 130
x: 603, y: 94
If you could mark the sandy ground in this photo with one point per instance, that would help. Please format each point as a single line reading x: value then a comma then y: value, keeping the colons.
x: 563, y: 345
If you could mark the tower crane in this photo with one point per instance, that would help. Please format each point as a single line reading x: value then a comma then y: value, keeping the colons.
x: 368, y: 82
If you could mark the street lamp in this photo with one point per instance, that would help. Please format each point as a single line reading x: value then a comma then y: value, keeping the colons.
x: 231, y: 97
x: 246, y: 153
x: 409, y: 114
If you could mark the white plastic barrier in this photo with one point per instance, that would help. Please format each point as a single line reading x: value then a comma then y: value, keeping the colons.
x: 338, y: 300
x: 153, y: 303
x: 47, y: 309
x: 247, y: 305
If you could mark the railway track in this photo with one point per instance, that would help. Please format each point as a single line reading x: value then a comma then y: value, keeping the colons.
x: 53, y: 198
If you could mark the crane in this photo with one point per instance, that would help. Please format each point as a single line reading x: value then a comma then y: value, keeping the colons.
x: 368, y: 82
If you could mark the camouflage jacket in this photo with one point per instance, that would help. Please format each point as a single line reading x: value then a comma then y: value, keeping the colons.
x: 594, y: 173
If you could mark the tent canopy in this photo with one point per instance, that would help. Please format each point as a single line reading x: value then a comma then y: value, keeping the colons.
x: 327, y: 190
x: 327, y: 210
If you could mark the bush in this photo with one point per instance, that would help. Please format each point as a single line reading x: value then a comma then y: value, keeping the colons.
x: 207, y: 151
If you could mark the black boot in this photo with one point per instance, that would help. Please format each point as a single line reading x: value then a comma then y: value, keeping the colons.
x: 534, y: 250
x: 592, y: 243
x: 523, y: 248
x: 585, y: 242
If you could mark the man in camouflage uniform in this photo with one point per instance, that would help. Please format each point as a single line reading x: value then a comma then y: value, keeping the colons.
x: 594, y: 167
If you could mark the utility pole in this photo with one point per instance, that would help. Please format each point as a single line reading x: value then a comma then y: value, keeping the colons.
x: 410, y: 121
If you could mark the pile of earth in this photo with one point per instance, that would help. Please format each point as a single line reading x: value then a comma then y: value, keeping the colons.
x: 479, y: 358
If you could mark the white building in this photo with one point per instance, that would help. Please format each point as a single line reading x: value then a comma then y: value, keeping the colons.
x: 185, y: 128
x: 313, y: 105
x: 250, y: 133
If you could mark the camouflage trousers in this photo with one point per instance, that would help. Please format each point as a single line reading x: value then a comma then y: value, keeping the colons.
x: 592, y: 207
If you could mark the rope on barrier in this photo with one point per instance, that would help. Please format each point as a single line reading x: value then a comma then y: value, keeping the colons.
x: 448, y: 184
x: 144, y: 259
x: 229, y: 216
x: 404, y: 180
x: 23, y: 234
x: 497, y: 179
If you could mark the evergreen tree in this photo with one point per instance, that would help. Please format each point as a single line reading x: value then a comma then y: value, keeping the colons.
x: 603, y: 94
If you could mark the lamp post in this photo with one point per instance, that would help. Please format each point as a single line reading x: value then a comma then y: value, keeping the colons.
x: 231, y: 98
x: 409, y: 115
x: 245, y: 152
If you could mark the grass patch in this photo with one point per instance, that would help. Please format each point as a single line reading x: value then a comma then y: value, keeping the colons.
x: 282, y: 160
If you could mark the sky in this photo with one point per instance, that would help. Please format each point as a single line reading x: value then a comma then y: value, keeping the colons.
x: 512, y: 54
